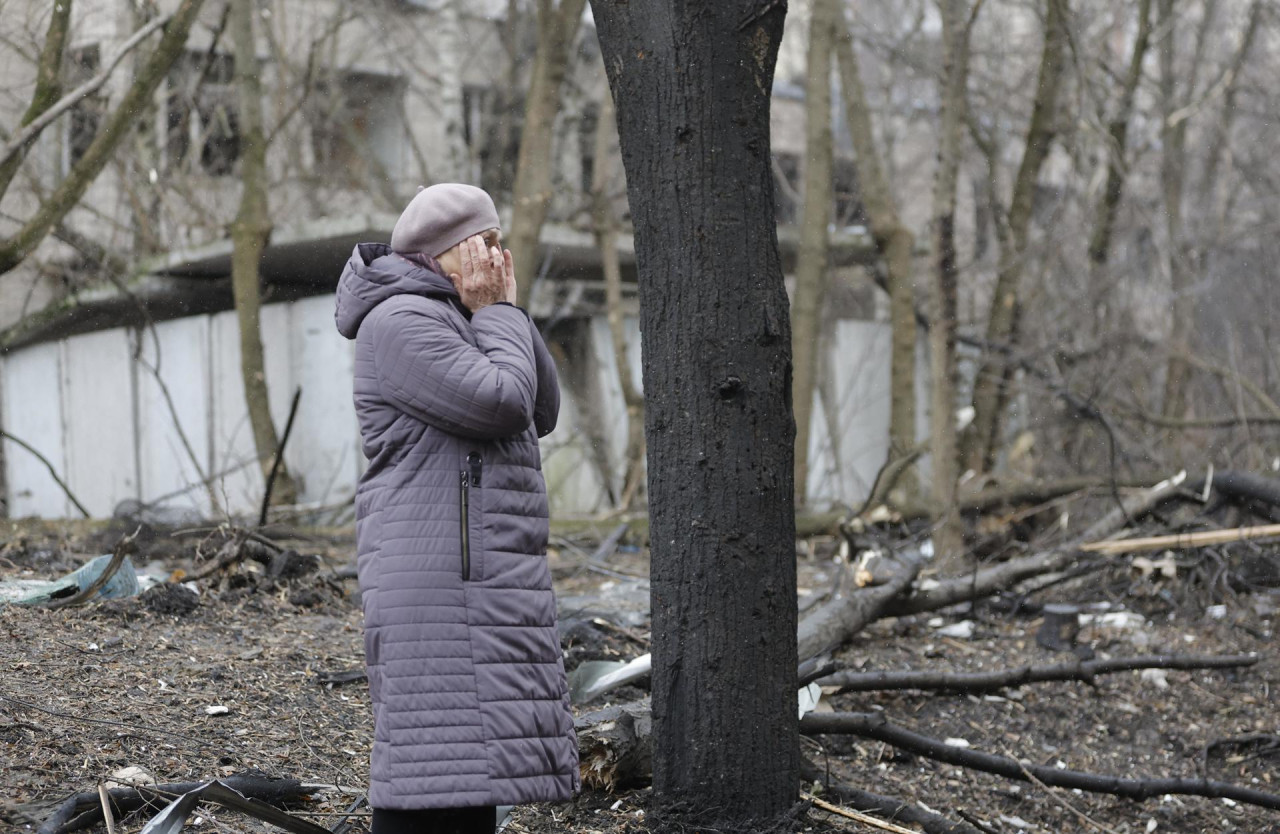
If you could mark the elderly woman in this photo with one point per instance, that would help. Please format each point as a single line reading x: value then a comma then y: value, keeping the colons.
x: 453, y: 388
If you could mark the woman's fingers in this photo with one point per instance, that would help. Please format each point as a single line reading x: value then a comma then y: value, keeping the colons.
x: 509, y: 276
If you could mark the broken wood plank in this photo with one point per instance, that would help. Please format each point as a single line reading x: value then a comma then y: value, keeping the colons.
x: 1183, y: 541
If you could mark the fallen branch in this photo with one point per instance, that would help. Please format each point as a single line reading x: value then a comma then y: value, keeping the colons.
x: 856, y: 816
x: 88, y: 805
x: 990, y: 580
x: 875, y: 726
x: 1183, y: 541
x: 980, y: 583
x: 975, y: 682
x: 885, y: 806
x: 834, y: 622
x: 615, y: 745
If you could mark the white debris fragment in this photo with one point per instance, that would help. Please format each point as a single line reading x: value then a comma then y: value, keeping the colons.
x: 1016, y: 822
x: 1156, y: 677
x: 957, y: 742
x: 962, y: 630
x: 129, y: 777
x: 615, y: 806
x: 1152, y: 825
x: 1216, y: 612
x: 216, y: 709
x: 1114, y: 619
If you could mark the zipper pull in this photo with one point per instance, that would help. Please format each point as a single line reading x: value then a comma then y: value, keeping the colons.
x: 464, y: 478
x: 475, y: 462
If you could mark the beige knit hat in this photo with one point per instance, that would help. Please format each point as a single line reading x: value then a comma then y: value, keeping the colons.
x: 442, y: 216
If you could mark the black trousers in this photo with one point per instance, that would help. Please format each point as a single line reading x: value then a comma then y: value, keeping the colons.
x: 480, y: 820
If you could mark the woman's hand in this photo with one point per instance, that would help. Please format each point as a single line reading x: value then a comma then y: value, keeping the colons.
x: 488, y: 275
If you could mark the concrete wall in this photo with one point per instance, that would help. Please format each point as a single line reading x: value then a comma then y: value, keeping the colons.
x: 96, y: 407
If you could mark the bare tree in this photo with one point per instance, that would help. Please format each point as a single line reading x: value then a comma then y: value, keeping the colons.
x: 249, y: 235
x: 957, y: 22
x: 115, y: 128
x: 811, y: 264
x: 605, y: 224
x: 558, y: 24
x: 990, y: 395
x: 894, y: 241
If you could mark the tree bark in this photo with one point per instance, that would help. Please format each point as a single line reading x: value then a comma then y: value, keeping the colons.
x: 895, y: 243
x: 692, y: 85
x: 115, y: 128
x: 249, y: 235
x: 605, y: 222
x: 48, y: 84
x: 531, y: 195
x: 948, y: 537
x: 981, y: 442
x: 811, y: 263
x: 1173, y: 404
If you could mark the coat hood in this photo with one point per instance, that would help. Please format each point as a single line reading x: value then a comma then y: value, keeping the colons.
x: 375, y: 273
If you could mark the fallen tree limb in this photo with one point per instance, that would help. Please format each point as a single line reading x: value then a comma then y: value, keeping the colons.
x: 1242, y: 486
x: 1085, y: 671
x: 875, y: 726
x: 615, y: 745
x: 856, y: 816
x: 834, y: 622
x: 884, y: 806
x: 88, y: 805
x: 999, y: 577
x: 979, y: 583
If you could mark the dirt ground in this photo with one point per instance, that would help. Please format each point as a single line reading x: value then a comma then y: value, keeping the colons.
x: 141, y: 683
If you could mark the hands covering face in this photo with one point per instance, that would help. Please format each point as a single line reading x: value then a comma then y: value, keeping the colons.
x: 488, y: 275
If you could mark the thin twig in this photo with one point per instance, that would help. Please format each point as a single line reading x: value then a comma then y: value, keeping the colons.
x: 858, y: 816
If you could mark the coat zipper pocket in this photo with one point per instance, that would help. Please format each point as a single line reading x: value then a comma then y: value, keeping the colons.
x: 470, y: 478
x: 465, y: 517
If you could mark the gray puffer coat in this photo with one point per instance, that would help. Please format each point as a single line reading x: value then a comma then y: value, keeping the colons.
x: 465, y: 668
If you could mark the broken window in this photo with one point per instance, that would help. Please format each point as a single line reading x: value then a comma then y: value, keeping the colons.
x: 85, y: 117
x: 202, y: 115
x: 357, y: 126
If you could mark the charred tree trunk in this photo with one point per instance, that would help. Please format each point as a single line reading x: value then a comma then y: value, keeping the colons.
x: 990, y: 393
x: 811, y: 265
x: 692, y: 84
x: 605, y: 221
x: 948, y: 539
x: 531, y: 195
x: 895, y: 243
x: 249, y: 234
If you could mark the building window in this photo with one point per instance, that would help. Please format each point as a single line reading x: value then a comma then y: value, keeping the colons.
x: 85, y: 116
x: 357, y: 126
x: 202, y: 116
